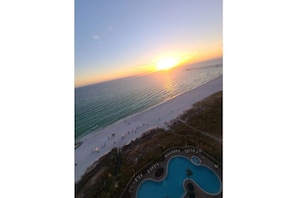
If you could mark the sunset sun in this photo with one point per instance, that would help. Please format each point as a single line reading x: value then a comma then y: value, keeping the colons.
x: 166, y: 63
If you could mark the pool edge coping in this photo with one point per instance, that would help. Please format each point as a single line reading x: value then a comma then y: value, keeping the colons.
x: 200, y: 164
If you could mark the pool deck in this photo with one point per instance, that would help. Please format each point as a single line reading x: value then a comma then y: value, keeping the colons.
x: 148, y: 172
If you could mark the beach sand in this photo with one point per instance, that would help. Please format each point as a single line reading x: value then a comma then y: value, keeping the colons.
x: 124, y: 131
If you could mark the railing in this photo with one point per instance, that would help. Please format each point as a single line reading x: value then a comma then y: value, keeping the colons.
x: 169, y: 152
x: 133, y: 177
x: 211, y: 158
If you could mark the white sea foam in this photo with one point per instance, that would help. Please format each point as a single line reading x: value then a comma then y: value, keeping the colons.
x: 101, y: 105
x: 130, y: 128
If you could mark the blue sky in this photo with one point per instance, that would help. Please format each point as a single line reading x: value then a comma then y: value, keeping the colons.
x: 120, y: 38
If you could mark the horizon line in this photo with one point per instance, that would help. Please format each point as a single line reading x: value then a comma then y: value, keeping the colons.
x: 146, y: 73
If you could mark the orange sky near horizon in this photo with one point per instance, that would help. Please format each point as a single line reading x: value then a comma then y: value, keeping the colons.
x: 120, y: 39
x: 94, y: 78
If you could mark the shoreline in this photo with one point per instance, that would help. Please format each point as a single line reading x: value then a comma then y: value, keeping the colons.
x: 122, y: 132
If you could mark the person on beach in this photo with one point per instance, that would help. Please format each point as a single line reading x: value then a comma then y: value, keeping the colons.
x: 96, y: 150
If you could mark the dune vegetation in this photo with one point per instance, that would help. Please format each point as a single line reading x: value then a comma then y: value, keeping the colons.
x: 200, y: 126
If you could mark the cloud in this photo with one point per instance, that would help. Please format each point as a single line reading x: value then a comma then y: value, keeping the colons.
x: 96, y: 37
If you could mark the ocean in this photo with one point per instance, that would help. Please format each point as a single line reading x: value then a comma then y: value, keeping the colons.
x: 100, y: 105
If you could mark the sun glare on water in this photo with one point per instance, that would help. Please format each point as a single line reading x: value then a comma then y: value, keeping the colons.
x: 166, y: 63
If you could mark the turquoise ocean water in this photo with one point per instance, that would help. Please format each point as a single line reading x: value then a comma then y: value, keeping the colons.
x: 100, y: 105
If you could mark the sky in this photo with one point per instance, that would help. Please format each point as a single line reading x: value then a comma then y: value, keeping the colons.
x: 34, y: 69
x: 119, y: 38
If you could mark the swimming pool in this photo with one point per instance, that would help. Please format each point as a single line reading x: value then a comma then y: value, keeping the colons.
x: 172, y: 184
x: 195, y: 160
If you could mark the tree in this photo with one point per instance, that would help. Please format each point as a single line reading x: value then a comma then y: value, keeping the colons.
x: 189, y: 172
x: 190, y: 192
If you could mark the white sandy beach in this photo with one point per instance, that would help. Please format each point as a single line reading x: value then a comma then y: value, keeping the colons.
x: 100, y: 143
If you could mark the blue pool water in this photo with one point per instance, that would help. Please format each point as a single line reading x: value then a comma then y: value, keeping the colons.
x: 172, y: 185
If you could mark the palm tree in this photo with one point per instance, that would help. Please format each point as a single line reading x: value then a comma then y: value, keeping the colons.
x: 189, y: 172
x: 191, y: 194
x: 190, y: 191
